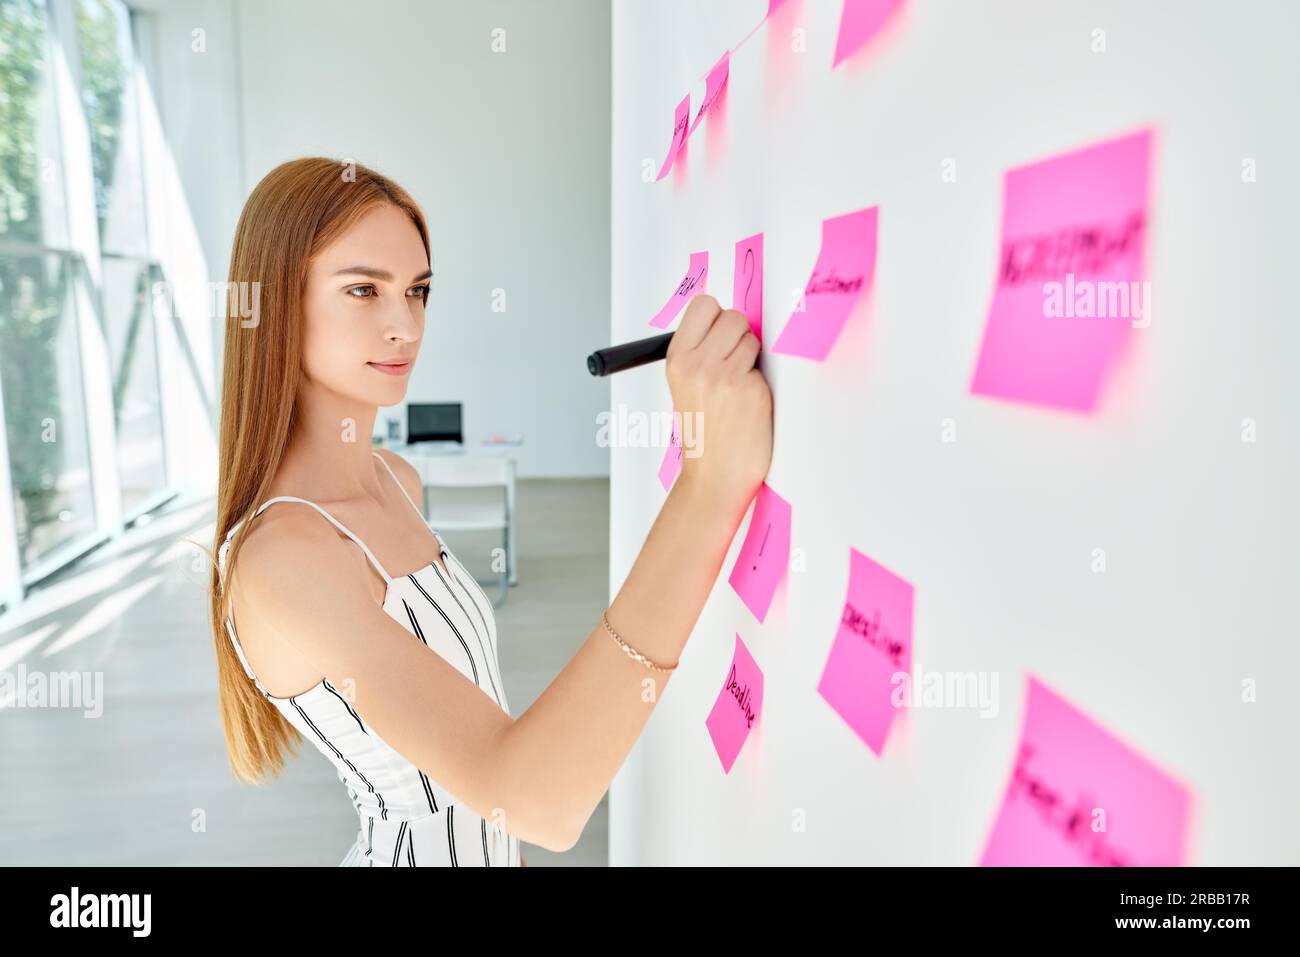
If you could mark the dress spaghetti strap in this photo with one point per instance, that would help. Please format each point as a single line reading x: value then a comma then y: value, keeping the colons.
x: 337, y: 524
x: 400, y: 486
x: 442, y: 549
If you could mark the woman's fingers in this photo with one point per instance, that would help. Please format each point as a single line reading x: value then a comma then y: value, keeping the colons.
x: 696, y: 322
x: 746, y: 352
x: 724, y: 335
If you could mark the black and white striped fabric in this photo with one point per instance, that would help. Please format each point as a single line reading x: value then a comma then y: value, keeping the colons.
x: 406, y: 818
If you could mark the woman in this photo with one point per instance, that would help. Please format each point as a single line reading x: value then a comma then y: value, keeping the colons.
x: 341, y: 593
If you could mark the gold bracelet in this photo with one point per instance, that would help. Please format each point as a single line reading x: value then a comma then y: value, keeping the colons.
x: 632, y: 652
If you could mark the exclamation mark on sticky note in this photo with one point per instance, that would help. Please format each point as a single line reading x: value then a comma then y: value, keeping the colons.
x: 764, y: 545
x: 756, y: 586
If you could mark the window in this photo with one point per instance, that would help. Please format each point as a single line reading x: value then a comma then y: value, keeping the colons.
x: 32, y: 206
x: 40, y: 355
x: 55, y: 279
x: 106, y: 83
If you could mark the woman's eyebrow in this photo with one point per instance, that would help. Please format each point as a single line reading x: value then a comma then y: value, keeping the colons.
x: 383, y: 274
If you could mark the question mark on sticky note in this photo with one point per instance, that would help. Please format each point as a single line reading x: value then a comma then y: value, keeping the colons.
x: 749, y: 263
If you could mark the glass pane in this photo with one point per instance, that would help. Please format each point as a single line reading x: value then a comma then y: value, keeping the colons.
x: 107, y: 96
x: 137, y: 411
x: 32, y: 207
x: 44, y: 407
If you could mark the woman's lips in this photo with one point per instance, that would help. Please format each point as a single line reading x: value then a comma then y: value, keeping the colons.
x: 392, y: 368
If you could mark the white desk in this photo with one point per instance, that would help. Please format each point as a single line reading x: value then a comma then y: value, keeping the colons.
x: 421, y: 451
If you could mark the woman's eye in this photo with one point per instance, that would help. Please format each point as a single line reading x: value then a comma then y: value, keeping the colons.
x: 421, y: 291
x: 368, y: 292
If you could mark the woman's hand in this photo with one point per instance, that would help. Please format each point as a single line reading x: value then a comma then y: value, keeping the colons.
x: 725, y: 403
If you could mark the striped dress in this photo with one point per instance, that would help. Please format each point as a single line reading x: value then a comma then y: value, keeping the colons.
x: 406, y: 819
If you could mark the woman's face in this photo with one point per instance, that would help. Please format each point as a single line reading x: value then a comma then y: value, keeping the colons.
x: 363, y: 312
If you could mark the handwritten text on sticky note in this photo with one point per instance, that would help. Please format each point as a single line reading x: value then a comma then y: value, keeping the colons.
x: 691, y: 285
x: 747, y: 284
x: 672, y: 463
x: 843, y: 274
x: 713, y: 86
x: 1068, y: 292
x: 1079, y: 796
x: 872, y: 644
x: 738, y: 706
x: 765, y: 553
x: 680, y: 119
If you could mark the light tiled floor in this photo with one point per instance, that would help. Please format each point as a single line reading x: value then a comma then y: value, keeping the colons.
x: 148, y: 782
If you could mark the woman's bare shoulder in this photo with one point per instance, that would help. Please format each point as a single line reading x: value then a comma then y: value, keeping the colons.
x: 301, y: 595
x: 291, y: 546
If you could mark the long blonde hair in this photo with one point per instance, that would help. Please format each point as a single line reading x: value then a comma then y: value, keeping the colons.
x: 296, y: 210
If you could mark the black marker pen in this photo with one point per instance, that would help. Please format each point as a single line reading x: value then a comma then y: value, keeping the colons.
x: 629, y: 355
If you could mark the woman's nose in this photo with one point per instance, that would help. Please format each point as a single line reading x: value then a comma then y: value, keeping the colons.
x: 402, y: 323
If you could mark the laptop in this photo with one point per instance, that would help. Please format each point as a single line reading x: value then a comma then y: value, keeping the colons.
x: 434, y: 425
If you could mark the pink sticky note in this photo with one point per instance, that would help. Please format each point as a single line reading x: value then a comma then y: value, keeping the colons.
x: 1080, y: 796
x: 860, y: 21
x: 844, y: 272
x: 1068, y: 290
x: 672, y: 463
x: 774, y: 5
x: 738, y: 705
x: 690, y: 286
x: 713, y: 85
x: 680, y: 119
x: 765, y: 553
x: 873, y: 643
x: 747, y: 286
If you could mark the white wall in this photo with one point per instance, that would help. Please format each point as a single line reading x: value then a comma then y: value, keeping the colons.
x: 995, y: 531
x: 507, y: 153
